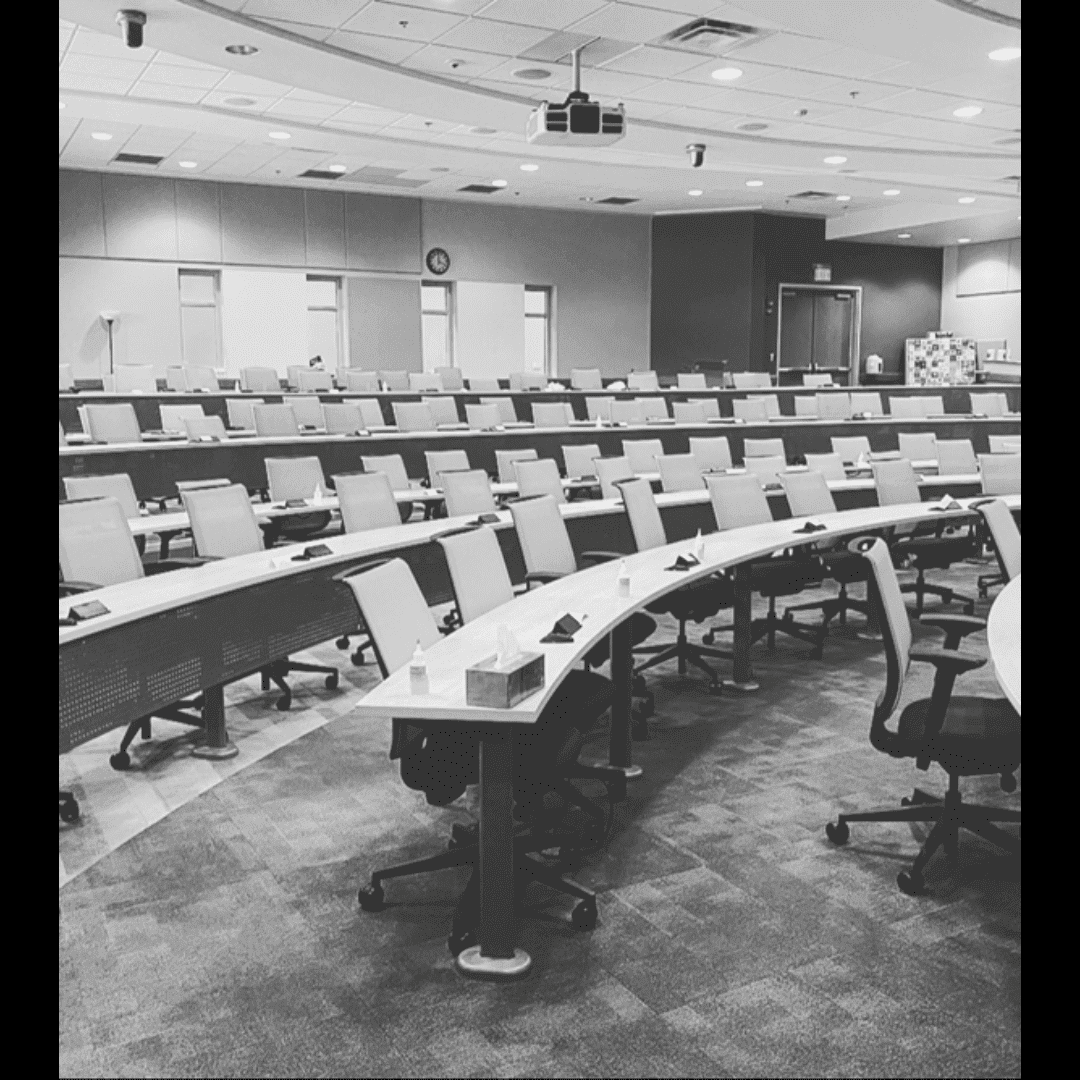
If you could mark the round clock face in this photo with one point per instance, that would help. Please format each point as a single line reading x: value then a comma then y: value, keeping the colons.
x: 438, y: 262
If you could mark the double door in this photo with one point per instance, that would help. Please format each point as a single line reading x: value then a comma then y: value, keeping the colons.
x: 818, y: 333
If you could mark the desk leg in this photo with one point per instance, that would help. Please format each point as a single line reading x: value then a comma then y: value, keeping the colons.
x: 216, y: 746
x: 495, y: 957
x: 622, y: 676
x: 742, y: 674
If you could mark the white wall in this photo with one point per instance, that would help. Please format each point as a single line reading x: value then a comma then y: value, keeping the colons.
x: 264, y: 319
x: 489, y: 328
x: 980, y: 296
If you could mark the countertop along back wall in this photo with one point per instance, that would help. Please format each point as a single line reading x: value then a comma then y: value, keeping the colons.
x: 123, y: 237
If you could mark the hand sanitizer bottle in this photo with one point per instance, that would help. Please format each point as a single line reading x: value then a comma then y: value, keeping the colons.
x: 418, y: 678
x: 624, y: 579
x: 699, y: 546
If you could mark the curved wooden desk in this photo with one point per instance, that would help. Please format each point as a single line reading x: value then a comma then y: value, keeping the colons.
x: 1003, y: 640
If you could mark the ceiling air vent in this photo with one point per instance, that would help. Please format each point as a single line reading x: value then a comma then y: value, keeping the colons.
x: 480, y: 189
x: 712, y: 36
x: 616, y: 200
x: 320, y: 174
x: 139, y: 159
x: 813, y: 195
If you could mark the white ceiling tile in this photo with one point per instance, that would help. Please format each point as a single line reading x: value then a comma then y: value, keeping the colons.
x: 851, y: 119
x: 794, y: 83
x: 561, y: 78
x: 600, y: 82
x: 97, y: 84
x: 182, y: 61
x: 751, y: 72
x: 749, y: 102
x: 657, y: 63
x: 307, y: 110
x: 919, y: 127
x: 674, y: 93
x: 311, y: 95
x: 330, y: 13
x: 918, y: 102
x: 306, y: 30
x: 853, y: 63
x: 980, y: 85
x: 367, y: 114
x: 226, y: 99
x: 185, y: 95
x: 421, y: 123
x: 155, y: 140
x: 554, y: 14
x: 629, y: 22
x: 645, y: 110
x: 88, y: 64
x: 66, y: 33
x: 453, y: 62
x: 392, y: 50
x: 206, y: 78
x: 487, y: 35
x: 840, y: 92
x: 700, y: 118
x: 398, y: 21
x: 236, y: 83
x: 790, y: 50
x: 90, y: 41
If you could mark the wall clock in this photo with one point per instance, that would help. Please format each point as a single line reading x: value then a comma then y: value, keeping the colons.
x: 438, y: 262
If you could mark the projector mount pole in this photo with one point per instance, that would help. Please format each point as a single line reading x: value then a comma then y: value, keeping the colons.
x: 576, y: 94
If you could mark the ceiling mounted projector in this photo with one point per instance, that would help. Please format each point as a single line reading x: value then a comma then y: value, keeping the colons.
x: 577, y: 120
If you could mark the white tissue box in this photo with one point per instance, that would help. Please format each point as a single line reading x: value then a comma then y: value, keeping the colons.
x: 503, y: 687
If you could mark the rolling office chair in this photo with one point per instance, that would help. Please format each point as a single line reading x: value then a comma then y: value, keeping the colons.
x: 764, y: 448
x: 552, y: 414
x: 1005, y: 537
x: 134, y: 379
x: 739, y: 501
x: 396, y: 381
x: 586, y: 379
x: 609, y: 471
x: 766, y: 469
x: 370, y: 413
x: 690, y: 381
x: 223, y: 525
x: 116, y: 486
x: 425, y: 381
x: 308, y: 380
x: 504, y: 463
x: 539, y: 478
x: 896, y: 485
x: 1004, y: 444
x: 364, y: 382
x: 1000, y: 474
x: 450, y: 378
x: 749, y: 410
x: 579, y: 458
x: 260, y: 380
x: 817, y: 380
x: 625, y: 413
x: 688, y: 412
x: 533, y: 380
x: 483, y: 417
x: 444, y: 461
x: 484, y: 385
x: 307, y: 408
x: 805, y: 406
x: 966, y: 736
x: 680, y: 472
x: 112, y: 423
x: 67, y: 379
x: 192, y: 378
x: 866, y: 401
x: 642, y: 380
x: 275, y: 421
x: 292, y: 374
x: 468, y: 492
x: 393, y: 465
x: 296, y: 478
x: 713, y: 455
x: 994, y: 404
x: 443, y: 411
x: 652, y: 409
x: 642, y: 454
x: 751, y: 380
x: 956, y: 457
x: 413, y: 416
x: 173, y: 416
x: 771, y: 401
x: 917, y: 445
x: 712, y: 408
x: 342, y: 419
x: 96, y: 550
x: 241, y: 412
x: 851, y: 447
x: 906, y: 408
x: 507, y: 412
x: 831, y: 468
x: 599, y: 408
x: 834, y: 406
x: 198, y: 428
x: 696, y: 602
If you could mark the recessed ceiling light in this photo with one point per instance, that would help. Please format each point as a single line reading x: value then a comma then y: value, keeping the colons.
x: 891, y: 191
x: 835, y: 159
x: 903, y: 236
x: 843, y: 198
x: 337, y: 168
x: 101, y: 136
x: 188, y: 164
x: 755, y: 183
x: 727, y: 74
x: 695, y: 192
x: 532, y: 74
x: 528, y: 167
x: 242, y: 50
x: 483, y: 131
x: 754, y: 125
x: 498, y: 183
x: 1010, y: 53
x: 966, y: 199
x: 280, y: 135
x: 965, y: 112
x: 964, y: 240
x: 239, y: 102
x: 585, y: 198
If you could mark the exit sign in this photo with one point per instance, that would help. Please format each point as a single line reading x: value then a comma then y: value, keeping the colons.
x: 822, y: 272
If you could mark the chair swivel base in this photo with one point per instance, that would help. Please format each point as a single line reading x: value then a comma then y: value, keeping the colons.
x: 472, y: 962
x: 69, y: 807
x: 921, y: 588
x: 121, y: 760
x: 687, y: 653
x: 216, y: 753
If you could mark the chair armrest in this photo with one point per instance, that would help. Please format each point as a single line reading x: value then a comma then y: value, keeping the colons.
x: 602, y: 556
x: 70, y: 588
x: 162, y: 501
x: 956, y: 627
x: 542, y: 577
x: 948, y: 661
x: 163, y: 566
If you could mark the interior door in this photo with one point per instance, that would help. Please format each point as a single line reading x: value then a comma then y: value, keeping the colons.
x: 832, y: 330
x: 796, y: 329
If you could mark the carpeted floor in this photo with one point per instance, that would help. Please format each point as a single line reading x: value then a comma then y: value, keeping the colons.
x: 225, y: 939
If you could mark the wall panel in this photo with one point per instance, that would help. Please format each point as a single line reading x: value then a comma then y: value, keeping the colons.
x: 324, y: 228
x: 198, y: 221
x: 384, y: 323
x: 382, y: 232
x: 140, y: 217
x: 262, y: 226
x: 82, y: 215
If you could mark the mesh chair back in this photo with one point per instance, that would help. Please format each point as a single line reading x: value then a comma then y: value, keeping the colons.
x: 599, y: 408
x: 644, y: 514
x: 467, y: 493
x: 907, y: 408
x: 370, y: 412
x: 763, y: 448
x: 609, y: 471
x: 680, y: 472
x: 751, y: 380
x: 834, y: 406
x: 116, y: 486
x: 365, y: 382
x: 260, y: 380
x: 482, y: 417
x: 1004, y: 444
x: 366, y: 501
x: 807, y: 493
x: 641, y: 454
x: 308, y: 411
x: 112, y: 423
x: 897, y: 625
x: 135, y: 379
x: 424, y: 381
x: 1005, y: 534
x: 866, y: 401
x: 484, y: 385
x: 478, y: 572
x: 578, y: 459
x: 933, y: 405
x: 294, y: 477
x: 202, y: 427
x: 767, y: 469
x: 173, y: 416
x: 275, y: 421
x: 989, y: 404
x: 642, y: 380
x: 652, y: 408
x: 545, y: 543
x: 413, y: 416
x: 917, y: 446
x: 895, y: 482
x: 817, y: 380
x: 504, y: 463
x: 96, y: 544
x: 688, y: 412
x: 342, y: 419
x: 625, y: 412
x: 539, y: 478
x: 750, y: 410
x: 505, y: 405
x: 393, y: 465
x: 222, y: 521
x: 738, y: 501
x: 394, y: 611
x: 690, y: 381
x: 772, y: 403
x: 444, y: 461
x: 713, y: 455
x: 443, y: 409
x: 176, y: 378
x: 311, y: 379
x: 552, y: 414
x: 805, y: 405
x: 394, y: 380
x: 851, y: 447
x: 450, y: 378
x: 241, y: 412
x: 586, y: 379
x: 956, y: 457
x: 1000, y: 474
x: 712, y: 408
x: 67, y: 379
x: 831, y: 466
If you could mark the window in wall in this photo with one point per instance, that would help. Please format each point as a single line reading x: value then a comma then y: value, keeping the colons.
x: 538, y: 329
x: 200, y: 317
x: 437, y: 324
x: 324, y: 320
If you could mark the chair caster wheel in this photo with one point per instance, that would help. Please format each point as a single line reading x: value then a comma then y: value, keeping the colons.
x: 709, y: 638
x: 1008, y: 783
x: 357, y: 658
x: 910, y: 883
x: 584, y: 916
x: 332, y: 681
x: 969, y: 609
x: 371, y: 898
x: 838, y: 833
x: 714, y: 690
x: 639, y: 728
x: 284, y: 702
x: 69, y: 811
x: 120, y: 761
x: 460, y: 940
x: 463, y: 836
x: 342, y: 643
x: 906, y: 801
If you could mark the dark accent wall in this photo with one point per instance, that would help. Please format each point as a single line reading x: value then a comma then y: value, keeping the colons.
x: 706, y: 265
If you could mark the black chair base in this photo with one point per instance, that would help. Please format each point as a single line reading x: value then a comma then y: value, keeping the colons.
x: 357, y: 656
x: 774, y: 624
x: 989, y: 581
x: 687, y: 653
x: 69, y: 807
x: 949, y: 816
x: 836, y: 607
x: 121, y: 760
x: 921, y: 588
x: 277, y: 673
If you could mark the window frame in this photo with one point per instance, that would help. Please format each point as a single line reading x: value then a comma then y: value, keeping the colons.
x: 215, y: 277
x: 338, y: 309
x: 548, y: 291
x: 448, y: 313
